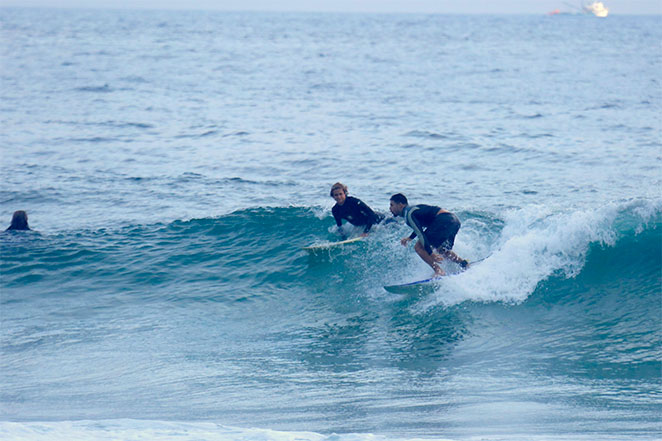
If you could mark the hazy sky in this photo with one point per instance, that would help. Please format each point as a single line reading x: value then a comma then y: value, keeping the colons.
x: 427, y: 6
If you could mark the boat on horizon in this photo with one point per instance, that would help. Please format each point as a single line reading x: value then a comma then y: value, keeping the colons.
x: 595, y: 8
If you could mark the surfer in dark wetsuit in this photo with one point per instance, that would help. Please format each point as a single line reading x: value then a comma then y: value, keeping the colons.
x: 19, y: 221
x: 436, y: 229
x: 354, y: 210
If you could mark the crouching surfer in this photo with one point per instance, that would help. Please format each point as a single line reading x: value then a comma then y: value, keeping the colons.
x: 436, y: 230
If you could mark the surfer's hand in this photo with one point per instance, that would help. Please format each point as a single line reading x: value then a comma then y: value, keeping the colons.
x: 364, y: 235
x: 405, y: 241
x: 438, y: 271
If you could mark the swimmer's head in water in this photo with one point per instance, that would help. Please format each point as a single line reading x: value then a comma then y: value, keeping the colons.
x: 19, y: 221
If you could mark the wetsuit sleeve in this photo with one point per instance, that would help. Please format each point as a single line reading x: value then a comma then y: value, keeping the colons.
x: 368, y: 214
x: 336, y: 215
x: 418, y: 230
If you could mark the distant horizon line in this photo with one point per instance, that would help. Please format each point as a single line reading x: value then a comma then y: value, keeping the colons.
x: 311, y: 11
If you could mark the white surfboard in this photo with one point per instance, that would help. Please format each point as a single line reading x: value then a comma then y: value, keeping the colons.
x: 331, y: 245
x: 425, y: 285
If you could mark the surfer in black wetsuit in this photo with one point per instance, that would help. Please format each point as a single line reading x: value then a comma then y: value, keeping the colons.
x: 354, y: 210
x: 436, y: 229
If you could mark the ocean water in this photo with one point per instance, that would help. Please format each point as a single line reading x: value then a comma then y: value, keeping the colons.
x: 173, y: 164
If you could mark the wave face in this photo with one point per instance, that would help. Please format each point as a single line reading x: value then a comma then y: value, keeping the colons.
x: 258, y: 250
x: 233, y: 307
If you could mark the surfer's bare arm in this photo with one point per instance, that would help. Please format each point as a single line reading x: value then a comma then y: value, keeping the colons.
x: 428, y: 258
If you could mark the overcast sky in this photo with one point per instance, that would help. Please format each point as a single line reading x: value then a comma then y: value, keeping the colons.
x: 426, y: 6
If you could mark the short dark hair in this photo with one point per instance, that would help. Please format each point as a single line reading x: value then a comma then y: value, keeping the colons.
x: 399, y: 198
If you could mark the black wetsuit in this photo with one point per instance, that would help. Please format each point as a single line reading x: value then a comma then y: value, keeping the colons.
x: 357, y: 213
x: 440, y: 229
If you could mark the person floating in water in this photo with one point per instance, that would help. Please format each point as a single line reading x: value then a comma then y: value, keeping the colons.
x: 352, y: 209
x: 19, y: 221
x: 440, y: 225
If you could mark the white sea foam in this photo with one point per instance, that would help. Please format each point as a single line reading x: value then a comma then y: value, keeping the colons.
x: 140, y: 430
x: 535, y: 243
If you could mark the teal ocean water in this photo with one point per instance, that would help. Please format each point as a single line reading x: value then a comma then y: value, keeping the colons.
x: 174, y: 164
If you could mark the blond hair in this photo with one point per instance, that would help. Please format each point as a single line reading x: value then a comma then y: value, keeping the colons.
x: 338, y: 186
